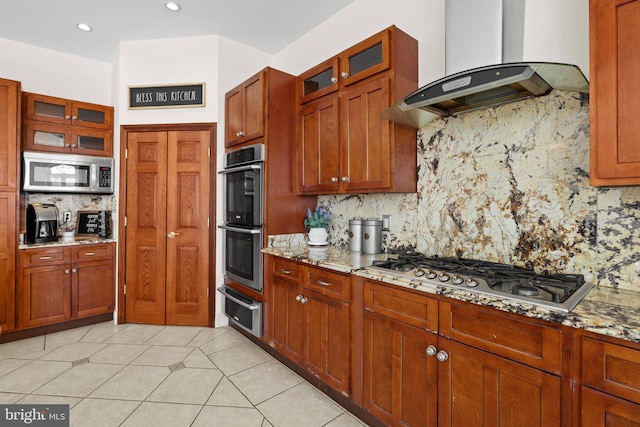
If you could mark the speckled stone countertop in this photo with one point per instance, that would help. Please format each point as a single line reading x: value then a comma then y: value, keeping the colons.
x: 604, y: 310
x: 61, y: 242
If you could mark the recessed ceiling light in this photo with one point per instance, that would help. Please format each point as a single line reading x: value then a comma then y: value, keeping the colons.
x: 172, y: 6
x: 84, y: 27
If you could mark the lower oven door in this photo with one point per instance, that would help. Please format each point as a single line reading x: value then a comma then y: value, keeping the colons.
x: 242, y: 256
x: 242, y: 310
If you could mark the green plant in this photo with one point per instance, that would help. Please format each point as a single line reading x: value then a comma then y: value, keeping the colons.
x: 319, y: 218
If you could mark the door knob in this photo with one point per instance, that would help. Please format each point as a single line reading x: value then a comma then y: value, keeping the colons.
x: 173, y: 235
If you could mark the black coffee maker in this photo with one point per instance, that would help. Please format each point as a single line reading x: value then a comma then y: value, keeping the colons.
x: 42, y: 223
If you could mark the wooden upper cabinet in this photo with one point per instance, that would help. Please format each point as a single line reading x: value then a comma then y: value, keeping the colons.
x: 318, y: 81
x: 339, y: 106
x: 50, y: 109
x: 9, y: 134
x: 66, y: 126
x: 245, y: 110
x: 615, y: 106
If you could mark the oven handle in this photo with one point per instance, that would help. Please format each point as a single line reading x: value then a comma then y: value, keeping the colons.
x: 241, y: 230
x: 240, y: 169
x: 236, y: 300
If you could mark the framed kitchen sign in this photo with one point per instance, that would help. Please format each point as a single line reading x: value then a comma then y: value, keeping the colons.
x: 167, y: 96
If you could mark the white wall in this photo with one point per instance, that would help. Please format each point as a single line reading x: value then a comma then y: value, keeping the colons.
x: 422, y: 19
x: 547, y: 22
x: 54, y: 73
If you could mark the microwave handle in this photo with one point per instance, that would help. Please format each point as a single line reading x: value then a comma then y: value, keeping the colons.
x: 234, y: 299
x: 240, y: 169
x: 241, y: 230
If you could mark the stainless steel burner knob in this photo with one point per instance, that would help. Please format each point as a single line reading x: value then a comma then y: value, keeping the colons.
x: 444, y: 277
x: 457, y: 280
x: 471, y: 283
x: 431, y: 274
x: 418, y: 272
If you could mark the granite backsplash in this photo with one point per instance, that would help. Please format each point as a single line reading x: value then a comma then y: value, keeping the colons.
x: 510, y: 184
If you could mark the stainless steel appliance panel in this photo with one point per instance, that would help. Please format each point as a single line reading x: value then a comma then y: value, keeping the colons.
x: 242, y: 310
x: 242, y: 255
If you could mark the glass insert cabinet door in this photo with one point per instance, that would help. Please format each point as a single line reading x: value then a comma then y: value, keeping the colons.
x: 66, y: 139
x: 62, y: 111
x: 318, y: 81
x: 365, y: 59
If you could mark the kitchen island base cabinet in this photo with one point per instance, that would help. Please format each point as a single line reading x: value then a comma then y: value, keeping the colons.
x: 65, y: 282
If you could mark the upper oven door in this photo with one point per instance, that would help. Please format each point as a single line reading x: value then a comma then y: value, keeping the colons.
x: 243, y: 195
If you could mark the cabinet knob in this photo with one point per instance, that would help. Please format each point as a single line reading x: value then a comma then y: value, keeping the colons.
x: 345, y: 179
x: 173, y: 235
x: 442, y: 356
x: 334, y: 179
x: 75, y: 270
x: 67, y: 117
x: 304, y: 300
x: 431, y: 350
x: 74, y: 118
x: 73, y: 145
x: 67, y: 145
x: 298, y: 298
x: 240, y: 133
x: 334, y: 80
x: 66, y: 271
x: 344, y: 74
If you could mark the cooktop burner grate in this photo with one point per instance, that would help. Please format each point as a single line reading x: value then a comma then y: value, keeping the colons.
x: 559, y: 291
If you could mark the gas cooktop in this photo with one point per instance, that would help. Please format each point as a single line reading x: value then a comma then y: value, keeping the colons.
x: 560, y: 292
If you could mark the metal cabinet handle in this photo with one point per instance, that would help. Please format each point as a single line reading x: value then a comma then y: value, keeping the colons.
x: 283, y: 271
x: 442, y: 356
x: 345, y: 179
x: 44, y: 258
x: 334, y: 80
x: 431, y: 350
x: 89, y: 253
x: 344, y: 74
x: 323, y: 283
x: 334, y: 179
x: 173, y: 235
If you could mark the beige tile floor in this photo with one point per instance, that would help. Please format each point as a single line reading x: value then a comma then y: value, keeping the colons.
x: 146, y: 375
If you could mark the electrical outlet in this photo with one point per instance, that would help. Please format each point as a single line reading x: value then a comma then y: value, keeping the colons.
x: 386, y: 222
x: 66, y: 216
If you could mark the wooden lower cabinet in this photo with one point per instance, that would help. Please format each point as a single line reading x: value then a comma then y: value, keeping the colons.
x: 477, y: 388
x: 609, y: 372
x: 309, y: 323
x: 400, y: 380
x: 61, y: 283
x: 601, y: 409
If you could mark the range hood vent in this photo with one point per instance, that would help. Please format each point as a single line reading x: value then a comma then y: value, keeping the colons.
x: 485, y: 87
x: 527, y: 63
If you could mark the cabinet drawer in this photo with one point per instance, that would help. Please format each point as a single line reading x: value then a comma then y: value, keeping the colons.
x: 92, y: 252
x: 330, y: 284
x: 612, y: 368
x: 521, y: 340
x: 48, y: 256
x: 286, y: 269
x: 408, y: 307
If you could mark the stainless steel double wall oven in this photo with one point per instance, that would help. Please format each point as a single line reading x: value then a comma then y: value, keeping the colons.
x: 243, y: 192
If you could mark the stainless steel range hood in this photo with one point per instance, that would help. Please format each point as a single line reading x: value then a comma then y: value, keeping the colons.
x: 489, y: 85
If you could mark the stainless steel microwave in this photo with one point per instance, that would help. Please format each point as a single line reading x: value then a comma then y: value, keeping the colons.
x: 66, y: 173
